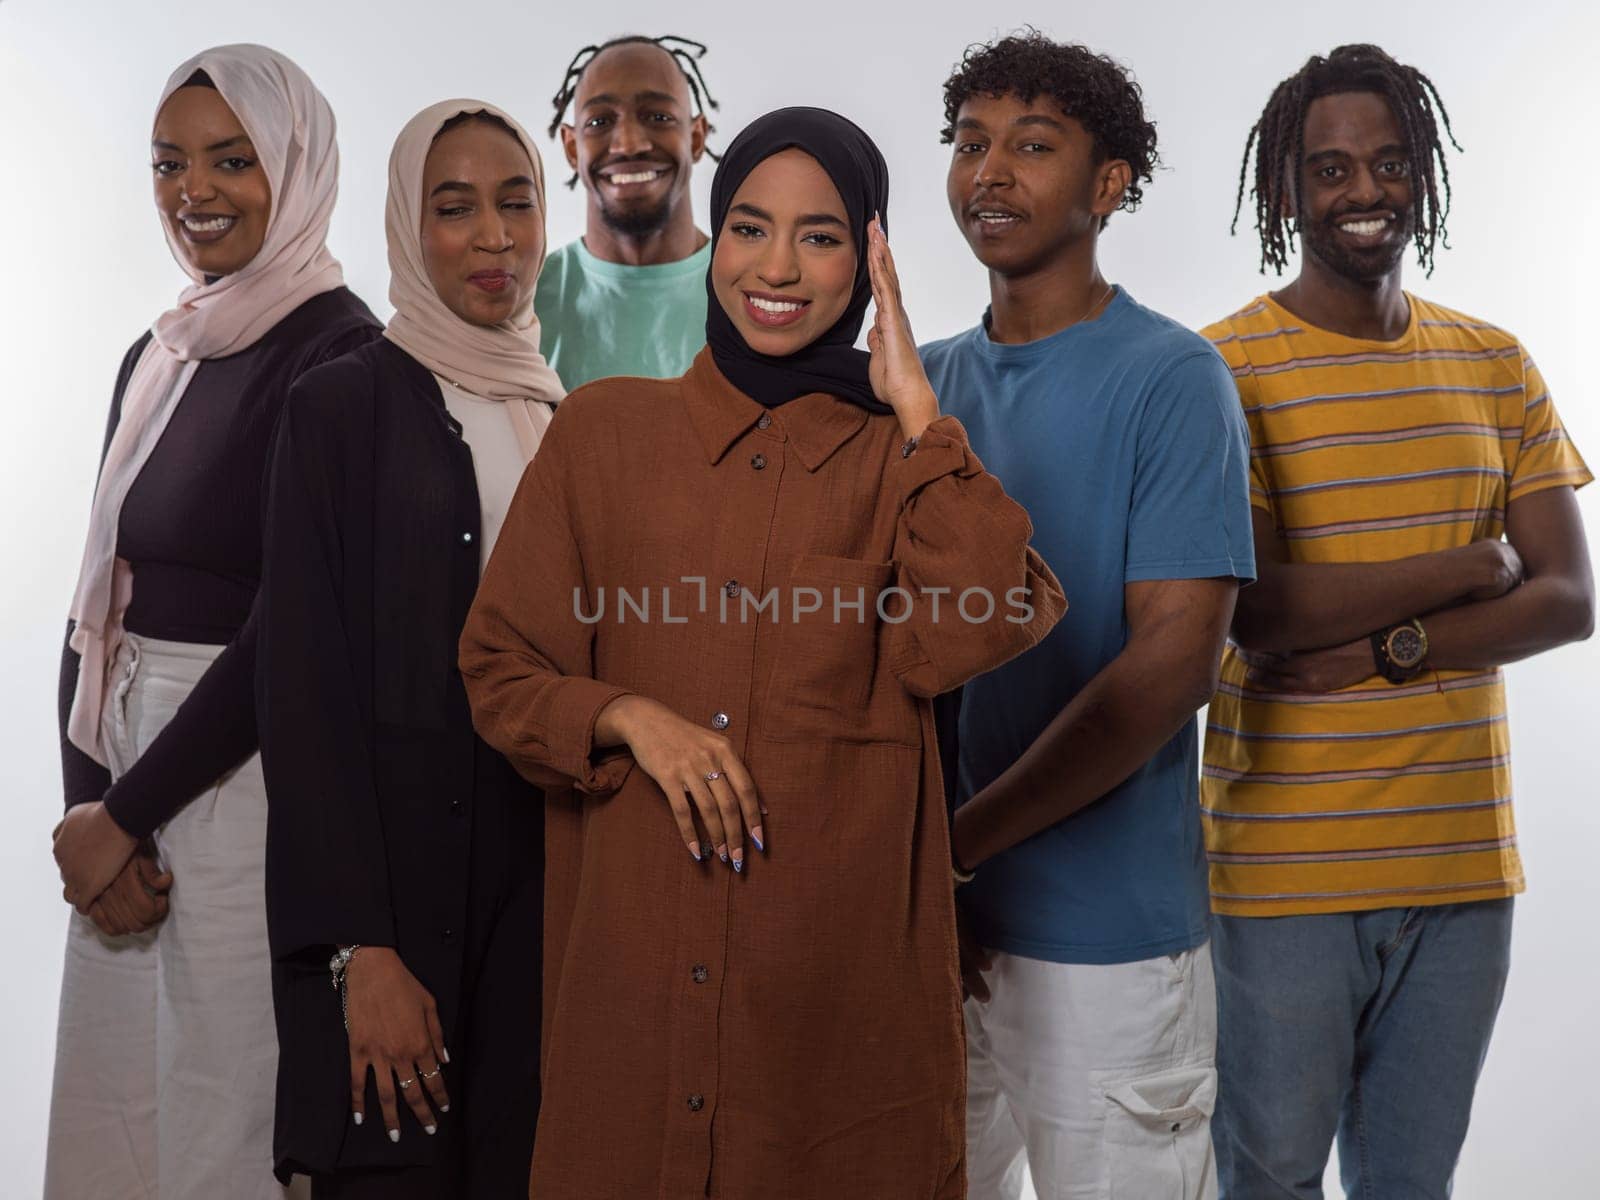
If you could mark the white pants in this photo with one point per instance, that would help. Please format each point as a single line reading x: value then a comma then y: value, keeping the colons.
x: 166, y: 1051
x: 1097, y: 1080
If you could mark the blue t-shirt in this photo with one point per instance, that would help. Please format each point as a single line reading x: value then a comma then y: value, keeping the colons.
x: 1124, y: 440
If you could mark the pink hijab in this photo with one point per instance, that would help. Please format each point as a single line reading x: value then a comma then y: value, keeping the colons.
x: 498, y: 362
x: 292, y: 129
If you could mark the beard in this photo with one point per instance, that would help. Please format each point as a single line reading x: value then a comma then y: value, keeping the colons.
x: 636, y: 222
x: 1368, y: 265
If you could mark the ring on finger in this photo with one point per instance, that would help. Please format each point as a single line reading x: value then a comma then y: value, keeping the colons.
x: 405, y: 1083
x: 713, y: 776
x: 430, y: 1074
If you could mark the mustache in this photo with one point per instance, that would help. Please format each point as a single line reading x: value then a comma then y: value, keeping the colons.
x: 622, y: 159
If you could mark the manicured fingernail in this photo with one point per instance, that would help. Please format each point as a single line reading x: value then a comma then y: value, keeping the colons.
x: 444, y: 1108
x: 445, y: 1051
x: 430, y: 1130
x: 755, y: 836
x: 394, y: 1135
x: 738, y: 864
x: 722, y: 852
x: 694, y: 849
x: 357, y: 1117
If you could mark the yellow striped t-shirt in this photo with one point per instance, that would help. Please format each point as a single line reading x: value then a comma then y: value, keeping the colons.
x: 1361, y: 451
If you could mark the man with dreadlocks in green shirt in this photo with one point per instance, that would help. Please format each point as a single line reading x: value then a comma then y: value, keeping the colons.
x: 629, y: 297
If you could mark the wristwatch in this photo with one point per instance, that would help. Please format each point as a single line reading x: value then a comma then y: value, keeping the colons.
x: 1400, y: 651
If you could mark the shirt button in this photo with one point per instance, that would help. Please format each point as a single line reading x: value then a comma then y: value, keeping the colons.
x: 466, y: 537
x: 700, y: 973
x: 719, y: 720
x: 759, y: 462
x: 455, y: 805
x: 448, y: 936
x: 763, y: 420
x: 731, y: 587
x: 696, y: 1102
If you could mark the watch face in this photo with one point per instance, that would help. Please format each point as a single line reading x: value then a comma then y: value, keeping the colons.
x: 1405, y: 647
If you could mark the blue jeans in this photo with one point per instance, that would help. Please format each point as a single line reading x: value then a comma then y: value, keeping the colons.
x: 1370, y: 1027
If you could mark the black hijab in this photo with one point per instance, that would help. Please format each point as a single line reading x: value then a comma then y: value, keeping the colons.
x: 830, y: 364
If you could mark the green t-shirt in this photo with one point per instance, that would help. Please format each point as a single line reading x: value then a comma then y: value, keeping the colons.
x: 598, y: 319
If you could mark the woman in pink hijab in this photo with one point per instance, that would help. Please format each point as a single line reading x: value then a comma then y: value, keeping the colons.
x: 165, y: 1055
x: 405, y: 858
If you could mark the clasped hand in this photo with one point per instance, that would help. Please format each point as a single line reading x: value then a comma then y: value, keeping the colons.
x: 107, y: 874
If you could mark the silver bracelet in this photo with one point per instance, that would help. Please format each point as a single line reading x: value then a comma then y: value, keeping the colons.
x: 339, y: 966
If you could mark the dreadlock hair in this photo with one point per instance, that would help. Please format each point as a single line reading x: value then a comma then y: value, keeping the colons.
x: 1094, y: 89
x: 1280, y: 145
x: 684, y: 51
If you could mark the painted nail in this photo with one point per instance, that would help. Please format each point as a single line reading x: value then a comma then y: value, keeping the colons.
x: 722, y: 853
x: 430, y: 1130
x: 738, y: 864
x: 444, y: 1108
x: 445, y: 1050
x: 755, y: 836
x: 694, y: 849
x: 358, y: 1117
x: 394, y: 1135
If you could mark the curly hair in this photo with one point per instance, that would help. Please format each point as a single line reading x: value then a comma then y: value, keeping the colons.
x: 1094, y: 89
x: 1279, y: 140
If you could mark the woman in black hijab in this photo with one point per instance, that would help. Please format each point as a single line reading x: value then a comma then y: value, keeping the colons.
x: 788, y: 1024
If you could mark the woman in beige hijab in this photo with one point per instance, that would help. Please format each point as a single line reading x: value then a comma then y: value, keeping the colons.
x: 405, y: 857
x: 165, y: 1053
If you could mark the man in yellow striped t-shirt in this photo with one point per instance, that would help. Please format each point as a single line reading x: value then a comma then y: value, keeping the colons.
x: 1357, y: 781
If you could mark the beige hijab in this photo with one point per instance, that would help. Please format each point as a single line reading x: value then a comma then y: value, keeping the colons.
x: 498, y: 362
x: 292, y: 128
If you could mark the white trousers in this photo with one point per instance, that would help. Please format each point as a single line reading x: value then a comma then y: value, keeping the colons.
x: 1098, y: 1081
x: 166, y: 1051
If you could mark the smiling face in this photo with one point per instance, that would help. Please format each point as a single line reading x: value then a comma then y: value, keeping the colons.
x: 1024, y: 185
x: 482, y: 231
x: 635, y: 137
x: 785, y: 262
x: 1356, y: 217
x: 210, y: 187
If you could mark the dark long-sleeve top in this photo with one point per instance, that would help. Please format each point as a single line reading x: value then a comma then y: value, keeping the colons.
x: 191, y: 530
x: 779, y: 1032
x: 375, y: 778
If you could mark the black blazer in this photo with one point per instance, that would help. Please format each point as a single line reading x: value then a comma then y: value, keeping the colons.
x: 374, y: 774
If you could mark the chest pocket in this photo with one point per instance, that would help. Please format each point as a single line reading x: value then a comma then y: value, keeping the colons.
x: 829, y: 680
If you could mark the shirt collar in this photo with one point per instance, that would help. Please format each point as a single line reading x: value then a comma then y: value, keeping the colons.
x: 817, y: 424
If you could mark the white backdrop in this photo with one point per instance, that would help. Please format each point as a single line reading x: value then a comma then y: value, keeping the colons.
x: 83, y: 268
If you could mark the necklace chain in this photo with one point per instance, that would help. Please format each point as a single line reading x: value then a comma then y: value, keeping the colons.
x: 1099, y: 299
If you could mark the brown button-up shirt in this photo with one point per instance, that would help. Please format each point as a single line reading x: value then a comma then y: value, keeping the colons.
x: 793, y: 1032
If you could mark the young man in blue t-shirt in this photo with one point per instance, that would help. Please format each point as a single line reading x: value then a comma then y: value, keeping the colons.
x: 1092, y: 1015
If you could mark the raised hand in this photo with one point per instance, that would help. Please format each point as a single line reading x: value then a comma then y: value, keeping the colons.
x: 896, y: 369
